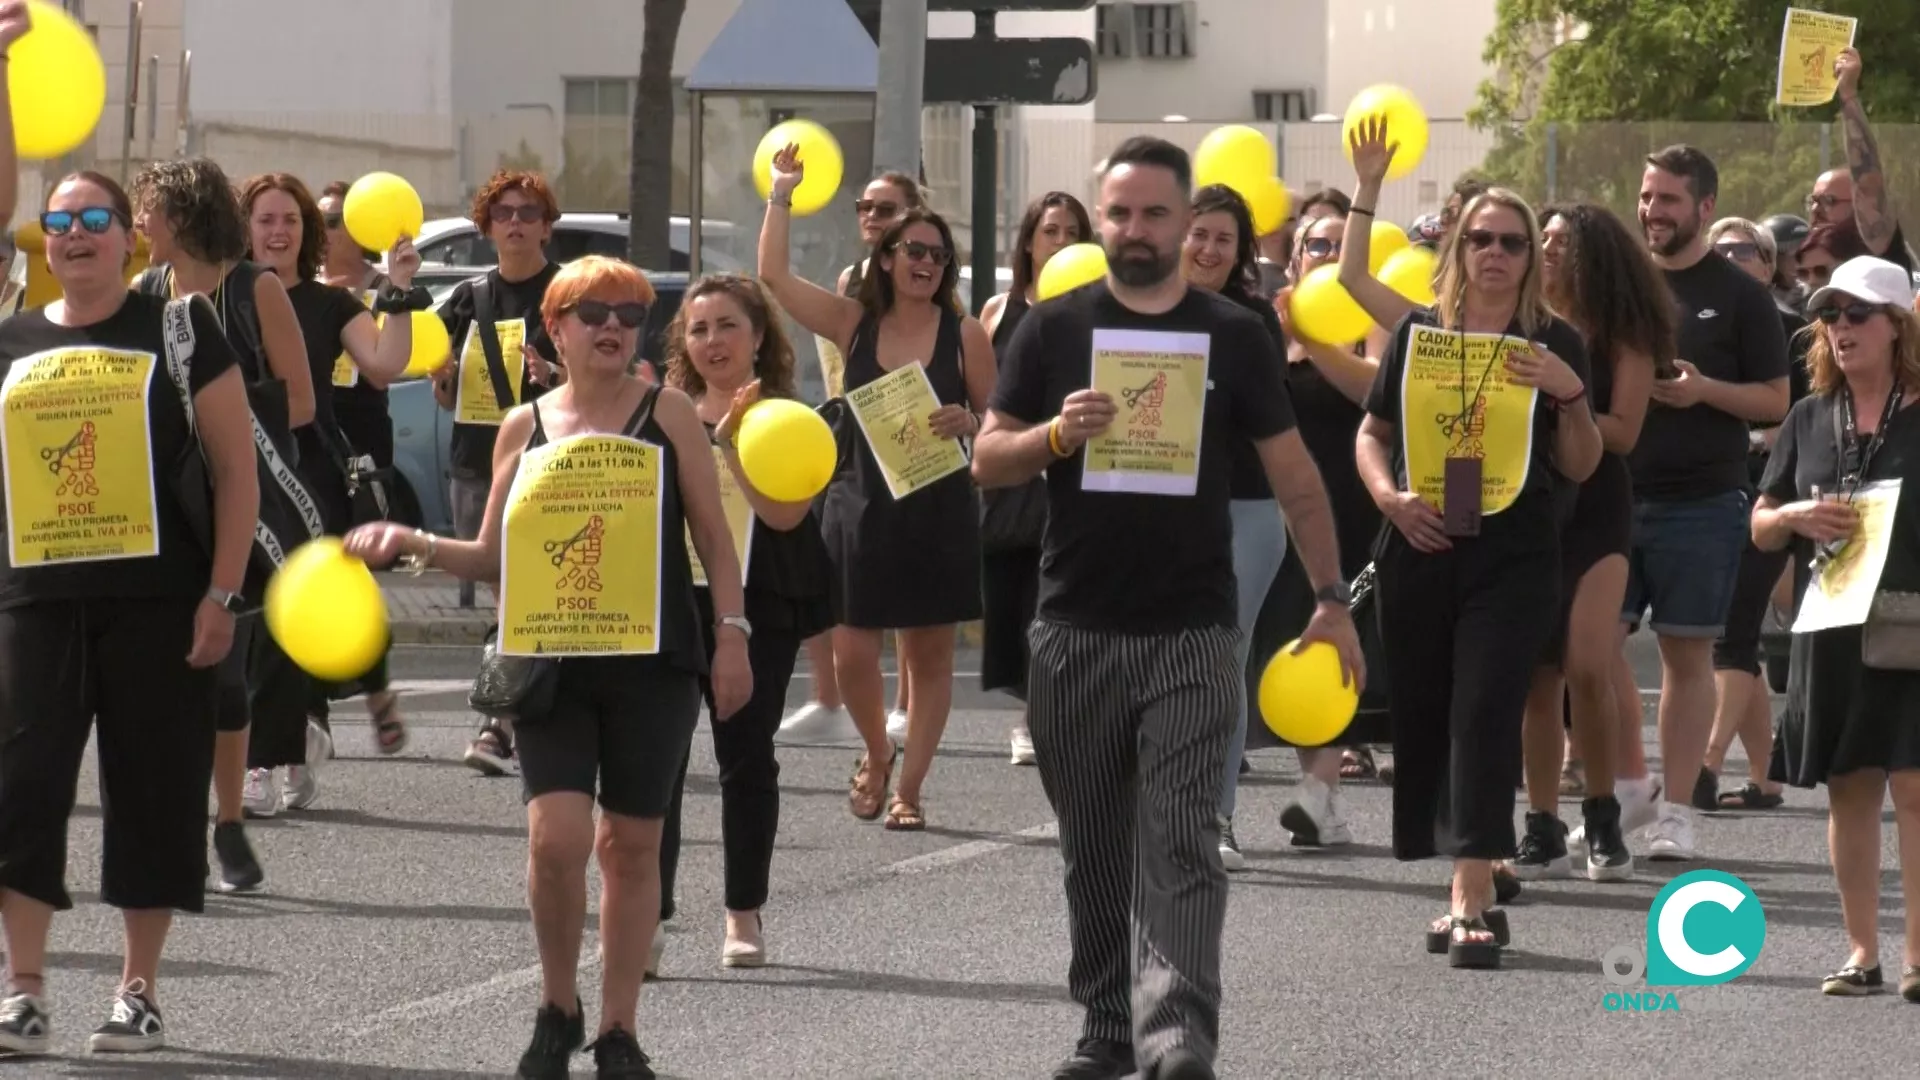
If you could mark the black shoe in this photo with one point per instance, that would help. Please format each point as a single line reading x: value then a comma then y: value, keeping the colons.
x: 134, y: 1027
x: 1607, y: 856
x: 1854, y: 981
x: 25, y: 1027
x: 1543, y: 850
x: 616, y: 1054
x: 1506, y: 885
x: 556, y: 1036
x: 239, y: 870
x: 1706, y: 791
x: 1097, y: 1059
x: 1182, y: 1064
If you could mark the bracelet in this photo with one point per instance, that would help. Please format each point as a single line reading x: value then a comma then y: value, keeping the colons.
x: 1053, y: 439
x: 1361, y: 210
x: 1567, y: 402
x: 780, y: 200
x: 420, y: 564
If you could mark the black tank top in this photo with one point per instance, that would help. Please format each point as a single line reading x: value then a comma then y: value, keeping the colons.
x: 681, y: 643
x: 787, y: 577
x: 1010, y: 317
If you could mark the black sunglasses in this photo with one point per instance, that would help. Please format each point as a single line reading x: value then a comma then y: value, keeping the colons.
x: 873, y: 206
x: 1738, y: 250
x: 1857, y: 313
x: 1511, y: 243
x: 595, y: 313
x: 335, y: 219
x: 1320, y: 247
x: 528, y: 213
x: 94, y: 219
x: 919, y: 252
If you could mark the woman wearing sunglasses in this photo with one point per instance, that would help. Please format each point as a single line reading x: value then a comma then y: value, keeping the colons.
x: 112, y: 612
x: 1466, y: 446
x: 910, y: 564
x: 1849, y: 721
x: 626, y: 697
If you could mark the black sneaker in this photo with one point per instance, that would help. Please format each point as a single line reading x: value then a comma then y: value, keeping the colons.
x: 1854, y: 981
x: 490, y: 751
x: 239, y: 870
x: 1608, y: 858
x: 1706, y: 790
x: 25, y: 1026
x: 134, y: 1027
x: 1182, y: 1064
x: 1543, y: 850
x: 1097, y: 1059
x: 616, y: 1054
x: 555, y: 1038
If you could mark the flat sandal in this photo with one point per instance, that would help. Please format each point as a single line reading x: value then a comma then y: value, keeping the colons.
x: 866, y: 803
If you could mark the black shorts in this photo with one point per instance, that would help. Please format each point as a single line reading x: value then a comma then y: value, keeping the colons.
x: 620, y: 726
x: 66, y: 665
x: 1738, y: 647
x: 1600, y: 525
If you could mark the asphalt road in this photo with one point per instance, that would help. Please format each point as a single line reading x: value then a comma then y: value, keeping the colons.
x: 393, y: 941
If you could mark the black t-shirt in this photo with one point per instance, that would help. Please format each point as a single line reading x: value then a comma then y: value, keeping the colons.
x: 323, y: 312
x: 1383, y: 401
x: 1247, y: 478
x: 1729, y: 328
x: 1132, y: 563
x: 1806, y: 454
x: 56, y: 447
x: 1329, y: 422
x: 1897, y: 252
x: 471, y: 448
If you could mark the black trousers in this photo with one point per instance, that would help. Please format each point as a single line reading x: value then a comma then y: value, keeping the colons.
x: 749, y: 779
x: 1462, y: 632
x: 279, y: 692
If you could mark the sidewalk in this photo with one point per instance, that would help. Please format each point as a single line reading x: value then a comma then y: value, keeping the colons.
x: 426, y: 610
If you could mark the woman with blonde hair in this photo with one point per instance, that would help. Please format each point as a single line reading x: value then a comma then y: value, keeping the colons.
x: 1854, y: 690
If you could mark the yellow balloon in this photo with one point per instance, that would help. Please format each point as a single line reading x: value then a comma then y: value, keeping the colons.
x: 1410, y: 272
x: 431, y: 345
x: 819, y: 153
x: 1237, y: 156
x: 57, y: 83
x: 1301, y: 697
x: 1388, y: 240
x: 379, y: 209
x: 1070, y: 268
x: 787, y: 450
x: 1323, y: 310
x: 326, y: 612
x: 1406, y: 125
x: 1269, y: 202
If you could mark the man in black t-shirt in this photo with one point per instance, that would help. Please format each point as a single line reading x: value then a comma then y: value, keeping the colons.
x: 1134, y: 684
x: 1692, y: 494
x: 1859, y: 191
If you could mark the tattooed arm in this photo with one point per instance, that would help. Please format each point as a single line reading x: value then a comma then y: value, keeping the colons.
x: 1873, y: 209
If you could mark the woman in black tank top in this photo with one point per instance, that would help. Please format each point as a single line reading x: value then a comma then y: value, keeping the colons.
x: 910, y: 563
x: 585, y: 481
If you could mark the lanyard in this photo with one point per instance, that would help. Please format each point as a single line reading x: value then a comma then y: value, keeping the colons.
x: 1453, y: 425
x: 1855, y: 459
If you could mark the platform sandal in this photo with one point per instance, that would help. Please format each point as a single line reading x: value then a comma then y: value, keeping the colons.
x: 1440, y: 931
x: 1471, y: 944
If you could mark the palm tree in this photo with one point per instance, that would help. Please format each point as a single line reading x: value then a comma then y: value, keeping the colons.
x: 650, y: 180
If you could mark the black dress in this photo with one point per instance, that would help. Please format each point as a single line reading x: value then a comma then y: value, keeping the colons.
x: 1842, y: 715
x: 1009, y: 577
x: 909, y: 562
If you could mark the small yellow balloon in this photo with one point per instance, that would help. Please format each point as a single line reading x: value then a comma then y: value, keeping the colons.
x: 819, y: 153
x: 787, y: 450
x: 431, y: 345
x: 326, y: 612
x: 1323, y: 310
x: 1410, y: 272
x: 1236, y: 155
x: 1070, y: 268
x: 379, y: 209
x: 1303, y: 699
x: 1406, y: 125
x: 1269, y: 202
x: 57, y: 83
x: 1388, y: 240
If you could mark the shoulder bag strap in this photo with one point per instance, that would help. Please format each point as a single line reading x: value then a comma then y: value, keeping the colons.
x: 177, y: 334
x: 503, y: 389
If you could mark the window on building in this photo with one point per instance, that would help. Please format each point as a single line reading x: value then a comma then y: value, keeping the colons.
x: 1113, y: 30
x: 1283, y: 105
x: 596, y: 134
x: 1164, y: 31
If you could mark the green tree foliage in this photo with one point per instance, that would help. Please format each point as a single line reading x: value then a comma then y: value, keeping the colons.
x: 1650, y: 73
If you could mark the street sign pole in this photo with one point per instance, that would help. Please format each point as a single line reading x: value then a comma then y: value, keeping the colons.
x: 897, y: 104
x: 986, y: 181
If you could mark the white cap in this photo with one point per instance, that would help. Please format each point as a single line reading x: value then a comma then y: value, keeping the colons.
x: 1876, y: 281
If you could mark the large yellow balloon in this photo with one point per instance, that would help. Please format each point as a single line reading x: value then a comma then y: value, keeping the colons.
x: 57, y: 83
x: 819, y: 153
x: 1323, y: 310
x: 1302, y: 697
x: 1235, y: 155
x: 1410, y: 273
x: 1070, y: 268
x: 1406, y: 125
x: 379, y: 209
x: 431, y: 345
x: 786, y: 449
x: 1387, y: 241
x: 326, y: 612
x: 1268, y: 202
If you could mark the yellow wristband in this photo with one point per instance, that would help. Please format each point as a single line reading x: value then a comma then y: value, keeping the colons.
x: 1053, y: 439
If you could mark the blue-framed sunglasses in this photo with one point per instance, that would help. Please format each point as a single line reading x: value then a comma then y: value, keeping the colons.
x: 94, y: 219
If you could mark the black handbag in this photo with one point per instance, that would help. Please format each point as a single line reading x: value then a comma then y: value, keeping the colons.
x: 515, y: 688
x: 1015, y: 518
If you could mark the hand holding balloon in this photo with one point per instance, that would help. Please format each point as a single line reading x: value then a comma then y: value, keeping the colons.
x: 1333, y: 625
x: 1371, y: 152
x: 788, y: 171
x: 402, y: 262
x: 743, y: 399
x: 379, y: 544
x: 15, y: 21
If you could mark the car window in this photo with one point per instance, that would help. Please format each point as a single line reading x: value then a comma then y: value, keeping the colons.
x: 467, y: 248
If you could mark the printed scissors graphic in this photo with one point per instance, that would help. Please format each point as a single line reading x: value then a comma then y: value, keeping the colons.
x: 56, y: 456
x: 559, y: 548
x: 1133, y: 394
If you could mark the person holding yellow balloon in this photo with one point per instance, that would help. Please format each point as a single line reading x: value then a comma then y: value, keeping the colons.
x: 619, y: 638
x: 910, y: 562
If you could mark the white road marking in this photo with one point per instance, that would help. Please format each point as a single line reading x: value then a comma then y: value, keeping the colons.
x: 973, y: 849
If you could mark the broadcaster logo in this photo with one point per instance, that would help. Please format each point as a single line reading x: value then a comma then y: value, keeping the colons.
x: 1704, y: 929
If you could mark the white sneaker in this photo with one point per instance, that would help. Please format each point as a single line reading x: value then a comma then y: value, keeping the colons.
x: 1639, y: 808
x: 319, y: 745
x: 261, y: 796
x: 1022, y: 746
x: 1671, y: 836
x: 814, y: 723
x: 1311, y: 817
x: 303, y: 787
x: 897, y: 724
x: 1337, y: 831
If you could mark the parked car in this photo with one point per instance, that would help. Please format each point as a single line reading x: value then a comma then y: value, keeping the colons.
x: 455, y: 242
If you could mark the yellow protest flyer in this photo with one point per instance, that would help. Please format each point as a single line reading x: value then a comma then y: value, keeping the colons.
x: 345, y: 372
x: 1158, y: 380
x: 580, y: 550
x: 476, y: 403
x: 1809, y: 44
x: 892, y: 412
x: 1841, y: 592
x: 78, y: 457
x: 733, y: 498
x: 833, y: 366
x: 1465, y: 406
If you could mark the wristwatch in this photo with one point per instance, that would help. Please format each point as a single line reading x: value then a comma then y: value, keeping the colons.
x: 233, y: 603
x: 738, y: 622
x: 1336, y: 593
